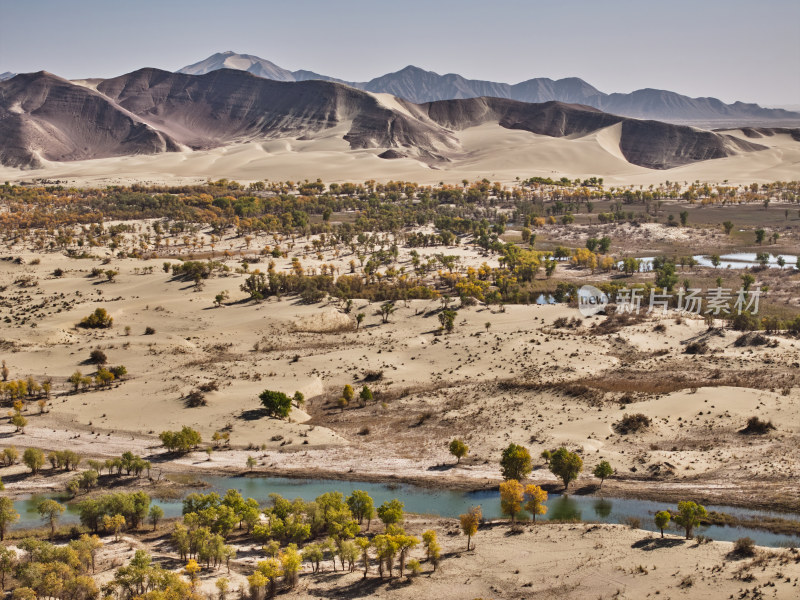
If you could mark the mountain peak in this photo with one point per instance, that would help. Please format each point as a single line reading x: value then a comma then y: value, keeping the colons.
x: 242, y: 62
x: 419, y: 85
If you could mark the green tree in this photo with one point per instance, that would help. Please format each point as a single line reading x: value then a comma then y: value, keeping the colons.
x: 603, y: 470
x: 516, y: 462
x: 363, y: 544
x: 220, y: 298
x: 24, y: 593
x: 50, y: 511
x: 8, y: 515
x: 156, y: 514
x: 114, y: 524
x: 18, y: 421
x: 689, y: 516
x: 75, y: 379
x: 359, y: 319
x: 8, y: 561
x: 728, y: 226
x: 458, y: 449
x: 447, y: 319
x: 365, y: 395
x: 386, y: 310
x: 662, y: 519
x: 760, y: 234
x: 432, y: 548
x: 180, y: 441
x: 361, y: 506
x: 291, y: 561
x: 391, y: 512
x: 277, y: 404
x: 684, y: 217
x: 256, y: 286
x: 33, y: 459
x: 565, y: 465
x: 405, y: 543
x: 666, y: 277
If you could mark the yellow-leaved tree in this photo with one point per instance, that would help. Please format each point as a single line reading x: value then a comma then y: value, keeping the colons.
x: 536, y: 497
x: 470, y: 521
x: 511, y: 496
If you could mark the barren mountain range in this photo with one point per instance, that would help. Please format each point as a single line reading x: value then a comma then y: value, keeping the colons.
x: 148, y: 111
x: 418, y: 86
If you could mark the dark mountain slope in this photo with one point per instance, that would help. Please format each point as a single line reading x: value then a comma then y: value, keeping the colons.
x: 227, y: 106
x: 45, y: 117
x: 151, y: 110
x: 645, y: 143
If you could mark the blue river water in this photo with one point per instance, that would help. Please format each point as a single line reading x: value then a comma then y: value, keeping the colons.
x: 451, y: 503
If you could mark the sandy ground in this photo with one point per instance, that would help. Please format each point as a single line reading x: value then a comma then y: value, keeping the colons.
x: 489, y: 151
x: 521, y: 379
x: 509, y: 378
x: 553, y: 561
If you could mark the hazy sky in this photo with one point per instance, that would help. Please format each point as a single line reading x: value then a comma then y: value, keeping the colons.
x: 730, y: 49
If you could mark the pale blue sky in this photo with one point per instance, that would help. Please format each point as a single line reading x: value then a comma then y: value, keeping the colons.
x: 731, y: 49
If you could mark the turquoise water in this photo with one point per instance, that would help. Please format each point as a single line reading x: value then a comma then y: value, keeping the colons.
x: 451, y: 503
x: 736, y: 260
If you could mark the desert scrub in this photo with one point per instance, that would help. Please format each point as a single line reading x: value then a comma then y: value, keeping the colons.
x: 632, y: 423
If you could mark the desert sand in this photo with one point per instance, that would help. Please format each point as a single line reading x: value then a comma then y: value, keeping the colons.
x: 511, y: 377
x: 504, y: 374
x: 553, y: 561
x: 489, y: 151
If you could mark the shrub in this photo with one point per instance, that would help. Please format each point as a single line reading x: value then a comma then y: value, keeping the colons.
x: 98, y: 357
x: 756, y: 426
x: 209, y: 386
x: 180, y: 441
x: 633, y: 522
x: 194, y: 399
x: 751, y: 339
x: 632, y: 423
x: 744, y: 547
x: 149, y: 331
x: 414, y: 567
x: 700, y: 347
x: 744, y: 322
x: 99, y: 319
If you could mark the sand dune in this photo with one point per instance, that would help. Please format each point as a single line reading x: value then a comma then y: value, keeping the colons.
x: 487, y: 151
